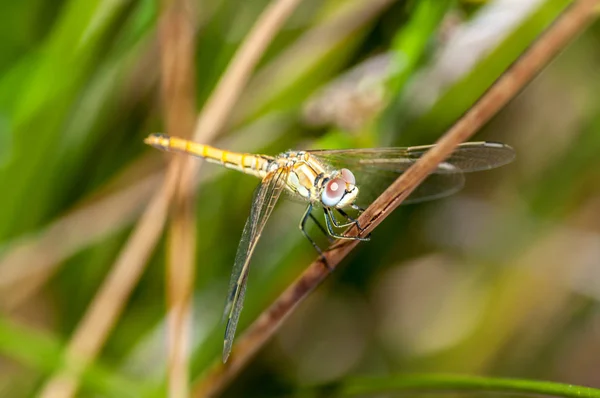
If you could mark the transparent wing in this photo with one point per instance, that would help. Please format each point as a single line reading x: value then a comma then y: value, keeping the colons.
x: 376, y: 168
x: 265, y: 197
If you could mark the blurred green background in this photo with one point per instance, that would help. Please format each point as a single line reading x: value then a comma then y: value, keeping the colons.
x: 502, y: 279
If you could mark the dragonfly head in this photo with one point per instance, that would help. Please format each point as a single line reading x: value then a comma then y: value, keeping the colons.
x: 340, y: 190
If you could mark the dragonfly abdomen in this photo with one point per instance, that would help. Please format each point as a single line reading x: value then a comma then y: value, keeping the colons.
x: 256, y: 165
x: 246, y: 163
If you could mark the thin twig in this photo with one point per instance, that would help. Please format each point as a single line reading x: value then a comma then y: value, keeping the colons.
x: 107, y: 305
x: 177, y: 48
x: 571, y: 23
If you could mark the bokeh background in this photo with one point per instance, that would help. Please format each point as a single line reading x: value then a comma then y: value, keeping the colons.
x: 502, y: 279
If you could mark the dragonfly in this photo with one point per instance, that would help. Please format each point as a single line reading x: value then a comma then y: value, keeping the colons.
x: 338, y: 181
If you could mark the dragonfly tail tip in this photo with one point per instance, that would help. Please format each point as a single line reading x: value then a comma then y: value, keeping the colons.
x: 158, y: 141
x: 226, y: 352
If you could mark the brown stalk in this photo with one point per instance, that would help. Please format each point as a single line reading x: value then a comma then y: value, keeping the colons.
x: 556, y: 37
x: 177, y: 48
x: 107, y: 305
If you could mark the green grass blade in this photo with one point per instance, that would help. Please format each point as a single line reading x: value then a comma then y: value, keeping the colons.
x: 457, y: 383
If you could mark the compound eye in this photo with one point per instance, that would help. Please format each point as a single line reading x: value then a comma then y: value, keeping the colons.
x: 348, y: 176
x: 333, y: 192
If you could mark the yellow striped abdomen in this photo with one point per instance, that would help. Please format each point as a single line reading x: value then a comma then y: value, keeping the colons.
x: 246, y: 163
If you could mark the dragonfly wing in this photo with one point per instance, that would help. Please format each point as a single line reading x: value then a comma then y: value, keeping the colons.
x: 265, y: 197
x: 376, y: 168
x: 468, y: 157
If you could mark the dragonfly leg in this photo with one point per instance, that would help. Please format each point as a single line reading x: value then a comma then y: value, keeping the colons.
x: 335, y: 221
x: 321, y: 227
x: 329, y: 222
x: 302, y: 226
x: 351, y: 219
x: 316, y: 221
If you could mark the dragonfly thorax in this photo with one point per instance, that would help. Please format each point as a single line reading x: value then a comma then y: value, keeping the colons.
x: 314, y: 182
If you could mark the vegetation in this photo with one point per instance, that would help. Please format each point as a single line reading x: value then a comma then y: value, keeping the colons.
x: 496, y: 282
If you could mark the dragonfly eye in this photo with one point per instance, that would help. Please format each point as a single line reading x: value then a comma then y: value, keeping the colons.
x: 348, y: 176
x: 333, y: 192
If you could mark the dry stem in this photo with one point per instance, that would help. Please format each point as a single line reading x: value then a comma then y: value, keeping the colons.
x: 178, y: 86
x: 572, y: 22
